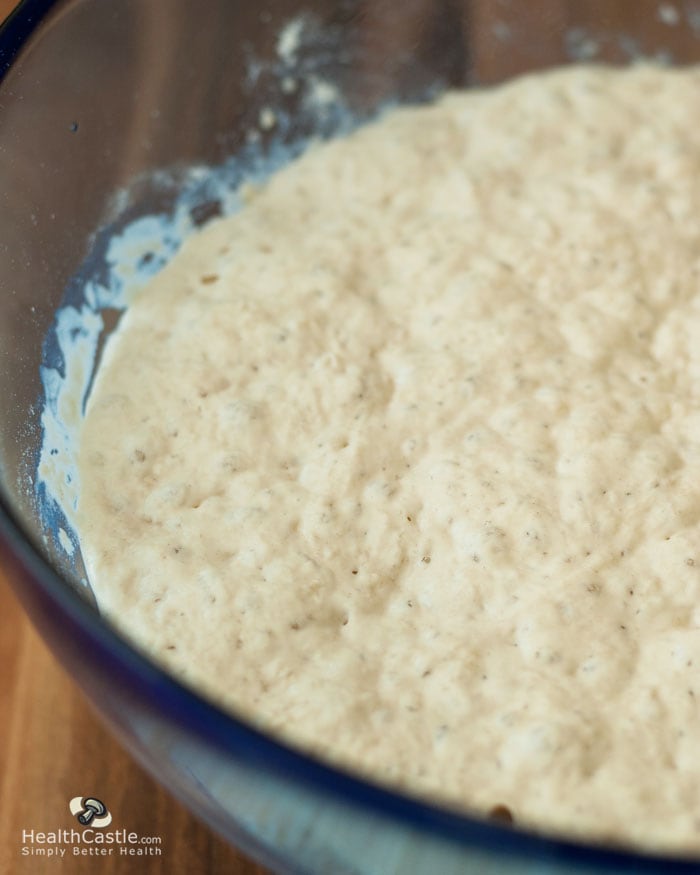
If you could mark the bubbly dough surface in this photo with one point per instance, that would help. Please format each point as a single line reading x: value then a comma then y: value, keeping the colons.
x: 403, y: 460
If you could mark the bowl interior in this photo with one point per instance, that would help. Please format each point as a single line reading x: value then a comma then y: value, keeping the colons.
x: 104, y: 113
x: 110, y: 112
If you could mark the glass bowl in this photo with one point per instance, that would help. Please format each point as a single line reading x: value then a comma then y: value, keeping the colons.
x: 105, y: 108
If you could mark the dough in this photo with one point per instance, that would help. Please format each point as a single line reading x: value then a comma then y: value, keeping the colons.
x: 403, y: 460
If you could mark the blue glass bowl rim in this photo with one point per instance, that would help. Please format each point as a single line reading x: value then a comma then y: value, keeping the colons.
x: 233, y: 736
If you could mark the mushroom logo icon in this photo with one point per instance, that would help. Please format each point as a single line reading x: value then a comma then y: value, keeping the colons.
x: 90, y: 811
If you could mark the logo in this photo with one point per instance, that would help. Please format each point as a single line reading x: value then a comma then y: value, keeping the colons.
x: 90, y: 811
x: 91, y: 839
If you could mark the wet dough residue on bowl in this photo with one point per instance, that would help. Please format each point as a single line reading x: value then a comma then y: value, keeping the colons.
x: 403, y: 460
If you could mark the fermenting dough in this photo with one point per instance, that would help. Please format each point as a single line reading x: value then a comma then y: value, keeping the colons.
x: 403, y: 460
